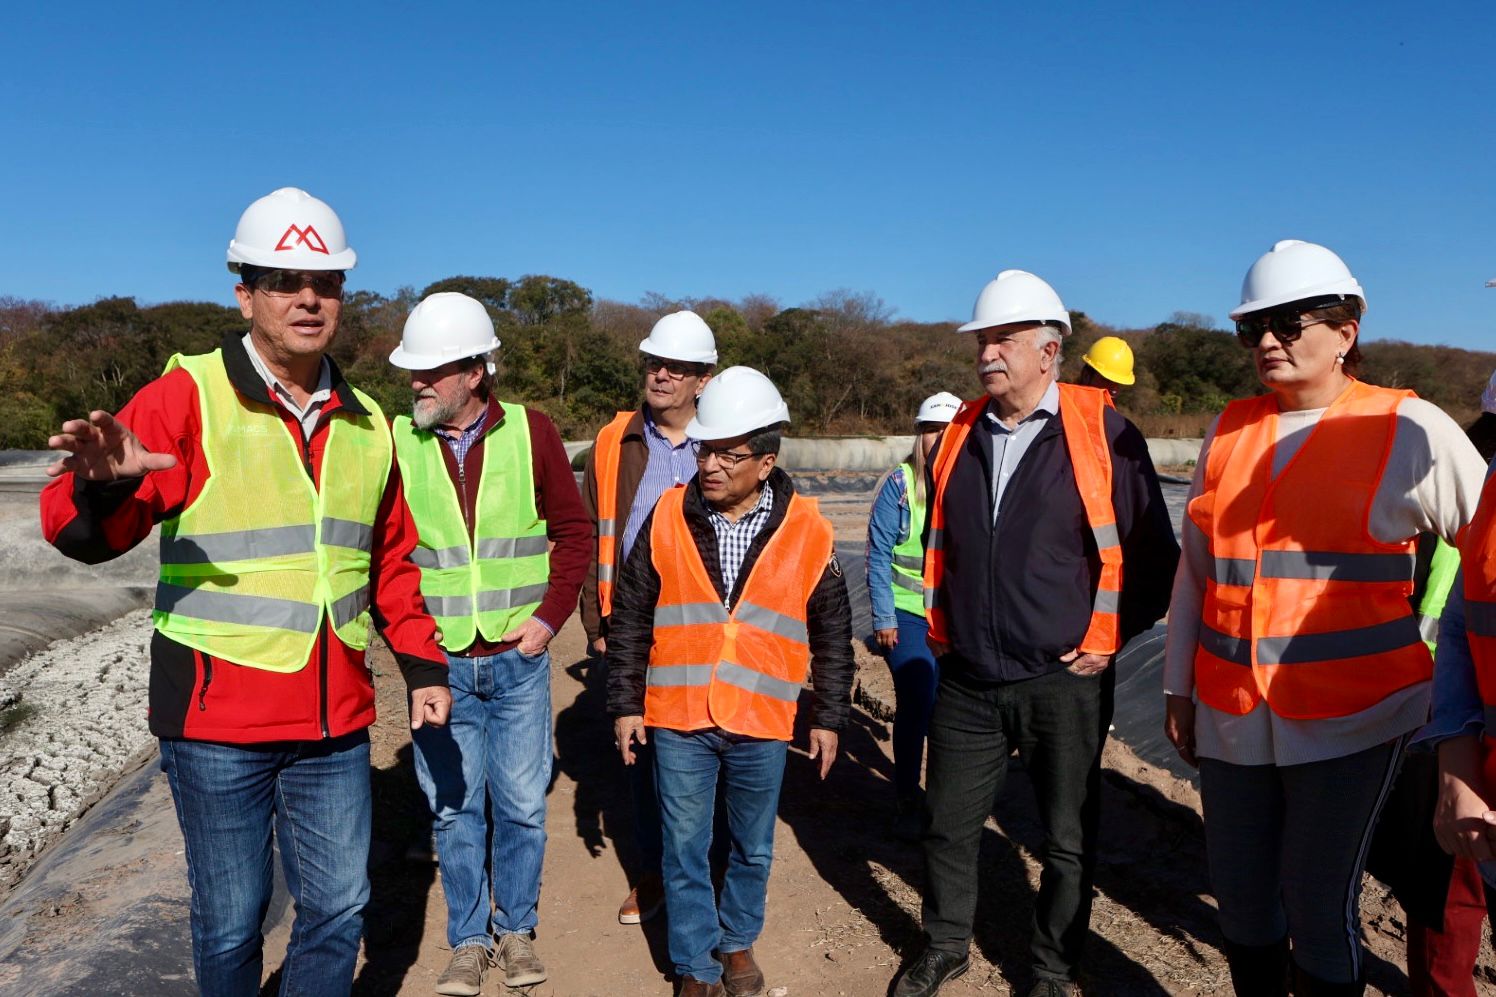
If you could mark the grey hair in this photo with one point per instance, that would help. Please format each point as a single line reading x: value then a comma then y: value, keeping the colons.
x: 1050, y: 334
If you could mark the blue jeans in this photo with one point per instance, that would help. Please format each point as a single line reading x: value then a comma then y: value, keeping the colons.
x: 686, y: 771
x: 916, y: 675
x: 490, y: 763
x: 316, y: 795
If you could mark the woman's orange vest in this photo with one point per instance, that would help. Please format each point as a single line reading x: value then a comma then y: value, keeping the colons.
x: 1083, y: 414
x: 740, y: 671
x: 606, y: 453
x: 1478, y: 561
x: 1303, y: 607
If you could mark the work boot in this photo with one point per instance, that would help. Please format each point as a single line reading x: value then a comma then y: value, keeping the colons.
x: 522, y: 967
x: 1308, y: 985
x: 644, y: 901
x: 741, y: 976
x: 463, y: 976
x: 690, y: 986
x: 1258, y: 970
x: 929, y: 972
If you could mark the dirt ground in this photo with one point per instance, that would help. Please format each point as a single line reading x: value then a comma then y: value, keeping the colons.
x: 843, y: 907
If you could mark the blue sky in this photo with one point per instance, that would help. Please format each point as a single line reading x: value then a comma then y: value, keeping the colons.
x: 1138, y: 156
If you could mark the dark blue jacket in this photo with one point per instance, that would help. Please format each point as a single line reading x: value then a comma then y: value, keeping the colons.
x: 1020, y: 597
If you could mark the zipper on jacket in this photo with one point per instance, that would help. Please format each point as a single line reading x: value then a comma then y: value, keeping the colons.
x: 462, y: 493
x: 322, y: 678
x: 202, y: 695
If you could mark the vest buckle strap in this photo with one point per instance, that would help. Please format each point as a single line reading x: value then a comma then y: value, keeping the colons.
x: 737, y: 675
x: 445, y: 557
x: 497, y: 548
x: 228, y: 607
x: 347, y: 533
x: 237, y: 545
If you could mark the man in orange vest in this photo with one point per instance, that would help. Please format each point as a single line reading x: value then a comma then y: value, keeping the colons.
x: 1048, y: 546
x: 729, y: 600
x: 636, y: 458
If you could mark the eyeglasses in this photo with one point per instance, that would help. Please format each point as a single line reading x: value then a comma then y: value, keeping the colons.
x: 675, y: 368
x: 729, y: 459
x: 1286, y: 327
x: 324, y: 283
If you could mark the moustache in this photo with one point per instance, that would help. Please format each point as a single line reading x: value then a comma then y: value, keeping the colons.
x: 993, y: 367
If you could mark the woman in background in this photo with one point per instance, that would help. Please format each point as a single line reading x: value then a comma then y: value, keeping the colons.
x: 895, y: 585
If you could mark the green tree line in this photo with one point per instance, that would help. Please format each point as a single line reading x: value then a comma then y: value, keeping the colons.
x: 844, y: 362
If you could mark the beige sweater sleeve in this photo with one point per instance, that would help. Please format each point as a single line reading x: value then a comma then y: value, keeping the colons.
x: 1431, y: 485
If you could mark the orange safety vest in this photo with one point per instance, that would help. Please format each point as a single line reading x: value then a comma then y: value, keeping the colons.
x: 1303, y: 607
x: 740, y: 671
x: 1083, y: 415
x: 606, y: 453
x: 1478, y: 561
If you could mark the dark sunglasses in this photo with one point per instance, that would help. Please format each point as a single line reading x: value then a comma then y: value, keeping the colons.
x: 675, y: 368
x: 1286, y: 327
x: 324, y: 283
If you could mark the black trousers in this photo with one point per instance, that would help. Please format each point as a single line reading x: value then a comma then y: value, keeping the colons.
x: 1057, y: 723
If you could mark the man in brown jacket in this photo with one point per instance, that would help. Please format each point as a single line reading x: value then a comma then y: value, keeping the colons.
x: 636, y: 458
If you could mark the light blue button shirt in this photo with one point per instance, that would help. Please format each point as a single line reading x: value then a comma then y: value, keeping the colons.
x: 1009, y: 445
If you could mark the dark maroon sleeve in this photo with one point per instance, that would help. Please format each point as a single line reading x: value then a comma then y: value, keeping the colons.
x: 567, y: 525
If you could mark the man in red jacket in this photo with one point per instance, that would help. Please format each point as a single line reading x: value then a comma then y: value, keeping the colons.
x: 284, y: 534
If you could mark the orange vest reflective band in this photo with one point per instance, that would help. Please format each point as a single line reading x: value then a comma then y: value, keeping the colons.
x: 1083, y: 415
x: 605, y: 456
x: 1478, y: 561
x: 740, y: 671
x: 1303, y: 607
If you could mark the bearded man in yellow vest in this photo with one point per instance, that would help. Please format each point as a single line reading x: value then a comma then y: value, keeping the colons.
x: 1048, y: 547
x: 730, y: 599
x: 503, y: 545
x: 636, y: 458
x: 284, y: 534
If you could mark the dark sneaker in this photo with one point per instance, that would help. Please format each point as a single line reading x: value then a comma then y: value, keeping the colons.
x: 463, y: 976
x: 522, y: 967
x: 929, y: 972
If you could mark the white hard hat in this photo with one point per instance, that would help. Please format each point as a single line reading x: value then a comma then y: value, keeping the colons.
x: 681, y: 336
x: 1017, y: 296
x: 737, y: 401
x: 1294, y: 270
x: 445, y: 326
x: 289, y: 229
x: 939, y: 407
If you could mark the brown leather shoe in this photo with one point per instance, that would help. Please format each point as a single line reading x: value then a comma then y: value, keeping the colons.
x: 690, y: 986
x: 644, y: 901
x: 741, y: 976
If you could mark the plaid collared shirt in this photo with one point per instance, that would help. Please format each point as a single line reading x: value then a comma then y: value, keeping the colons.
x: 734, y: 539
x: 461, y: 443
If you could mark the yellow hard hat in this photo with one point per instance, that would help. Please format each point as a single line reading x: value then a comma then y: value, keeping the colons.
x: 1111, y: 357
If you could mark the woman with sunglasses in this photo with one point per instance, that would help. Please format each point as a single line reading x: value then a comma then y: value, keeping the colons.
x: 1295, y: 670
x: 896, y: 590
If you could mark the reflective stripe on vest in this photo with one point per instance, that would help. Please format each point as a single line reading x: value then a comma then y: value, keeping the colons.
x: 740, y: 671
x: 1082, y: 413
x: 494, y: 579
x: 606, y: 456
x: 1442, y: 569
x: 1302, y: 606
x: 908, y: 574
x: 248, y: 580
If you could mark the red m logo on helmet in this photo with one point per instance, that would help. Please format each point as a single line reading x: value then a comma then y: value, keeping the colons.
x: 307, y: 237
